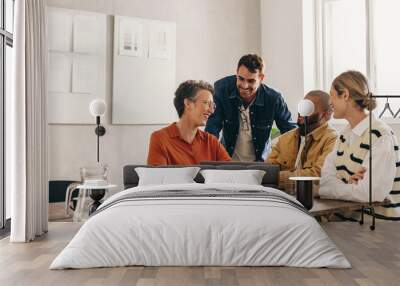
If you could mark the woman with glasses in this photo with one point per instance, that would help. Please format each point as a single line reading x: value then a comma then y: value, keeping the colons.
x: 182, y: 142
x: 345, y: 173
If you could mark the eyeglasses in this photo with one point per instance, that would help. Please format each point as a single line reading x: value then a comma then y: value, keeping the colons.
x: 210, y: 104
x: 244, y: 121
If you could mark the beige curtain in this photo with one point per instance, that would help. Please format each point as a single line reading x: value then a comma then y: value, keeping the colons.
x: 27, y: 123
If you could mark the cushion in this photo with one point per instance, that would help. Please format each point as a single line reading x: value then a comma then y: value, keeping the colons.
x: 248, y: 177
x: 271, y: 177
x: 163, y: 176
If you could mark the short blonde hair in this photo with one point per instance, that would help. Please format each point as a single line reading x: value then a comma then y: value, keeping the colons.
x: 357, y: 85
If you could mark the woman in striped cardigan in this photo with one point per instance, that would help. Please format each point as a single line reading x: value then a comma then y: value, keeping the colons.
x: 345, y: 173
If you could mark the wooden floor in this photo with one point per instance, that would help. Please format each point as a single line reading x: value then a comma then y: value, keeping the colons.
x: 375, y: 257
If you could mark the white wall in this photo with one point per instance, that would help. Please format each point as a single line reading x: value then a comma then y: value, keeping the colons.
x: 309, y: 46
x: 282, y: 48
x: 211, y: 37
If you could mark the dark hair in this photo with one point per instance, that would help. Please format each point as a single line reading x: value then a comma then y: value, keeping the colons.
x: 357, y: 85
x: 252, y: 62
x: 189, y: 89
x: 323, y: 98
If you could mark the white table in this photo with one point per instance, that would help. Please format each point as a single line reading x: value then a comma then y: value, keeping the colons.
x: 81, y: 212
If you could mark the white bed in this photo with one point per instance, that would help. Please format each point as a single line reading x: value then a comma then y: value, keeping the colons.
x: 264, y: 229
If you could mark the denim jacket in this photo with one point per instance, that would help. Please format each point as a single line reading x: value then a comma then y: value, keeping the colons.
x: 267, y: 107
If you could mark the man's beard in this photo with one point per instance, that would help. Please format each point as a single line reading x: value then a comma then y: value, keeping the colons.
x: 313, y: 122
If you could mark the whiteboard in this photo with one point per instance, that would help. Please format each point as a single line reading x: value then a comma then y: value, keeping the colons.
x: 143, y: 71
x: 77, y: 64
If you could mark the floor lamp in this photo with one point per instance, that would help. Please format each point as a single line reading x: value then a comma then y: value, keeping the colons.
x: 304, y: 185
x: 97, y: 108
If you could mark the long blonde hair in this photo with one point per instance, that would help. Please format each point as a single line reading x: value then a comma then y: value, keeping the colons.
x: 357, y: 85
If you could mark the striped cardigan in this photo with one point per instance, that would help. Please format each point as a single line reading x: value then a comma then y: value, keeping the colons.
x: 350, y: 158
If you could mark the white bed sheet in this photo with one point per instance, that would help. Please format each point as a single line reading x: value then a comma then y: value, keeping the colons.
x: 200, y: 231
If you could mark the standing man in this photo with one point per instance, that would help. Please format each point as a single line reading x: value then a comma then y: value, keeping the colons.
x: 245, y: 111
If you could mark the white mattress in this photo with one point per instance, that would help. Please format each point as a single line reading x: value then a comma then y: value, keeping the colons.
x: 200, y: 231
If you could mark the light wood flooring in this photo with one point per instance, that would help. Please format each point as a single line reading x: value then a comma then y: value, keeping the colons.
x: 374, y: 255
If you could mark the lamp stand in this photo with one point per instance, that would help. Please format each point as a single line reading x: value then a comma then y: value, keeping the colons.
x: 100, y: 131
x: 305, y: 137
x: 97, y: 194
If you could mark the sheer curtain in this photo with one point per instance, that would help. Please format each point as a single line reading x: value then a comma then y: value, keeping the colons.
x: 26, y: 119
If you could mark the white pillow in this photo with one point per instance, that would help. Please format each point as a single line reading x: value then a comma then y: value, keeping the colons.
x: 165, y: 176
x: 248, y: 177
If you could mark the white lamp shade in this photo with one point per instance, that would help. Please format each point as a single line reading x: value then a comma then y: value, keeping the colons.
x: 305, y: 107
x: 97, y: 107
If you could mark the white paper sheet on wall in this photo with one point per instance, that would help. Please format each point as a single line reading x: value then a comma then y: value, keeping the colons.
x: 160, y: 42
x: 84, y: 71
x: 77, y: 65
x: 60, y: 32
x: 59, y: 73
x: 86, y: 33
x: 130, y: 38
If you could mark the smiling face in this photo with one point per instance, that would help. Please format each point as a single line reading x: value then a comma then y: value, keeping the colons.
x: 351, y: 96
x: 200, y: 108
x: 248, y: 82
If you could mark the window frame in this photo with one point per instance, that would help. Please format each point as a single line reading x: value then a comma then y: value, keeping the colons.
x: 321, y: 64
x: 6, y: 39
x: 320, y: 43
